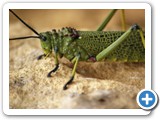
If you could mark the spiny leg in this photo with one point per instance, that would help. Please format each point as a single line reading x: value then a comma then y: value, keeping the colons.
x: 56, y: 64
x: 75, y: 60
x: 119, y: 41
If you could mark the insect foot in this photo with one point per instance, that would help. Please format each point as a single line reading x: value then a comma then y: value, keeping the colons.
x: 54, y: 70
x: 41, y: 56
x: 69, y: 82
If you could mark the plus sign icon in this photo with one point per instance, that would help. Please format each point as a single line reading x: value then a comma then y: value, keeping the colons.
x: 147, y: 99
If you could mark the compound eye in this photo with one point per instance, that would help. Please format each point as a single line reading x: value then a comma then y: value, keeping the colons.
x: 44, y: 38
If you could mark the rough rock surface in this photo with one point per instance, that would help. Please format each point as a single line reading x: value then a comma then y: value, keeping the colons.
x: 96, y: 85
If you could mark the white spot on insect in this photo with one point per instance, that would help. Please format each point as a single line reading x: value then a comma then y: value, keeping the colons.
x: 80, y: 37
x: 67, y: 44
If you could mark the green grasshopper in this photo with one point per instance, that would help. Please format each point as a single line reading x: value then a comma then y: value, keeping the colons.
x: 93, y: 46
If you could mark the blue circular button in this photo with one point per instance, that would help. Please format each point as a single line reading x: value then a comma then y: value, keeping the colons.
x: 147, y: 99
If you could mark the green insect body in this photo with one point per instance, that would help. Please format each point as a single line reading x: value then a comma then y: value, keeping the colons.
x: 90, y: 43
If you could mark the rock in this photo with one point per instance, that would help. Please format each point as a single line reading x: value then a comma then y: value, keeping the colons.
x: 99, y: 99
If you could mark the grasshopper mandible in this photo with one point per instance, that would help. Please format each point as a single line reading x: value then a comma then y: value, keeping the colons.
x: 93, y: 46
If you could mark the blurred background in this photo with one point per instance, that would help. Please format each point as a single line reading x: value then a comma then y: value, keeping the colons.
x: 46, y: 20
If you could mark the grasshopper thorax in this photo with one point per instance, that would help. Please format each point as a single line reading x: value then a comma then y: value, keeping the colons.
x: 53, y: 40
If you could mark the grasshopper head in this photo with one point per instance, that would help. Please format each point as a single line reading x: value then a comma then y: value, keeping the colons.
x: 46, y: 44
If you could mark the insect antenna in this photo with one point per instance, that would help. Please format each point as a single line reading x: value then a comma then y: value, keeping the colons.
x: 26, y: 37
x: 26, y: 26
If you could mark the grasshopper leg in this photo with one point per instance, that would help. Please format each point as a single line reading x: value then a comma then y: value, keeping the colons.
x: 41, y: 56
x: 107, y: 19
x: 69, y: 82
x: 110, y: 16
x: 123, y: 20
x: 142, y: 36
x: 103, y: 54
x: 54, y: 70
x: 139, y: 29
x: 76, y: 59
x: 56, y: 64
